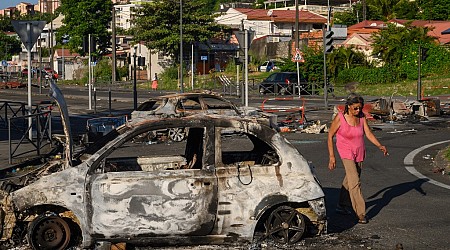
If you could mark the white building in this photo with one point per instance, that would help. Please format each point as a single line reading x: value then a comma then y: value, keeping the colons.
x: 125, y: 13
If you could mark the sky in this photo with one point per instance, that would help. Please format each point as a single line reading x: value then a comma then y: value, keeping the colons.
x: 10, y: 3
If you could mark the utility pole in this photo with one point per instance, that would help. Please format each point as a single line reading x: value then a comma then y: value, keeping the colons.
x: 181, y: 46
x: 325, y: 78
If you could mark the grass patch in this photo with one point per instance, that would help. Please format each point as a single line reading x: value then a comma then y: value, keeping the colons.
x: 447, y: 153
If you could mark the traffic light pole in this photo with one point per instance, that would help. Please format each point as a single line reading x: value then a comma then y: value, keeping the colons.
x: 419, y: 79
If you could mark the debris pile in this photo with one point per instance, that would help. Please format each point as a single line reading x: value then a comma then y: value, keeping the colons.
x: 390, y: 110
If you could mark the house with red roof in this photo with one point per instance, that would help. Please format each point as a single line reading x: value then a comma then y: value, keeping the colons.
x: 360, y: 34
x: 273, y: 29
x: 279, y: 23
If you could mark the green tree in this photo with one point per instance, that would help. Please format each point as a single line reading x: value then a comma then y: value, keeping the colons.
x: 391, y: 44
x: 434, y: 10
x: 384, y: 9
x: 8, y: 46
x: 406, y: 9
x: 5, y: 24
x: 344, y: 58
x: 158, y: 25
x: 84, y: 17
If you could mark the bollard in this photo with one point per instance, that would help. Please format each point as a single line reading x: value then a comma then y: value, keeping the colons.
x: 95, y: 101
x: 109, y: 100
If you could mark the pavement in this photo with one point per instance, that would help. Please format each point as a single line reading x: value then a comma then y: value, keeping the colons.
x: 122, y: 103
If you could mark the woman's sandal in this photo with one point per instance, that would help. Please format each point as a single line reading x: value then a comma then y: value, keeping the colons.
x: 362, y: 219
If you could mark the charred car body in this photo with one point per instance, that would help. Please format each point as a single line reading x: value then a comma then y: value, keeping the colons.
x: 231, y: 178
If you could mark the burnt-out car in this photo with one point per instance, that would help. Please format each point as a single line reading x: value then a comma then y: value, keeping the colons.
x: 184, y: 104
x: 187, y: 104
x: 232, y: 178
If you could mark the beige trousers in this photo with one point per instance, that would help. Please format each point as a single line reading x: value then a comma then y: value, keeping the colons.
x: 351, y: 194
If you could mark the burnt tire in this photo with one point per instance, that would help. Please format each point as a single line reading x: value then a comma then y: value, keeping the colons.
x: 49, y: 232
x: 285, y: 225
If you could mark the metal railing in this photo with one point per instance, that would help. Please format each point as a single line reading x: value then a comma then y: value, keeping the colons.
x: 11, y: 109
x: 19, y: 127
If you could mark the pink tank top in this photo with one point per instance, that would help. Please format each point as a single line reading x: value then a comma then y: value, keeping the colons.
x: 350, y: 140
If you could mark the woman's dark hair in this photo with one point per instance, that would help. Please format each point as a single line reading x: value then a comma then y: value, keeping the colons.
x: 352, y: 99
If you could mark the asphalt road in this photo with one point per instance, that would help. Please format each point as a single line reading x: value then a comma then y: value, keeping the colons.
x: 403, y: 208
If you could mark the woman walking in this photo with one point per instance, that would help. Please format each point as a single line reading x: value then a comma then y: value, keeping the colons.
x: 350, y: 128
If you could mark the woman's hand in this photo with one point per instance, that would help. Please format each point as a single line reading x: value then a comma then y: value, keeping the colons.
x: 332, y: 163
x: 383, y: 149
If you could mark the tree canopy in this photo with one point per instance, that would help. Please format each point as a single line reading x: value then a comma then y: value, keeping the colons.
x: 400, y: 9
x: 84, y: 17
x: 390, y: 44
x: 158, y: 25
x: 8, y: 46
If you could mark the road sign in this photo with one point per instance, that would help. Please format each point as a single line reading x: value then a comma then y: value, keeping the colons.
x: 298, y: 56
x: 4, y: 63
x: 204, y: 58
x: 28, y: 31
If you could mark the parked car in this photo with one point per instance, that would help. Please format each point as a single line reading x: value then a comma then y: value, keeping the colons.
x: 234, y: 178
x: 47, y: 73
x: 283, y: 83
x: 267, y: 66
x: 50, y: 72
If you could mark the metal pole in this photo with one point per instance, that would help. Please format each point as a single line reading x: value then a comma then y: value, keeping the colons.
x: 325, y: 83
x: 90, y: 76
x: 296, y: 46
x: 51, y: 45
x: 298, y: 82
x: 30, y: 119
x: 192, y: 67
x: 296, y: 24
x: 114, y: 62
x: 134, y: 80
x: 246, y: 67
x: 237, y: 81
x: 63, y: 63
x: 181, y: 46
x: 95, y: 101
x: 419, y: 79
x: 113, y: 42
x: 40, y: 67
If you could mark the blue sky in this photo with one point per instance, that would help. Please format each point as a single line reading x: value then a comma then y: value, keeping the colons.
x: 10, y: 3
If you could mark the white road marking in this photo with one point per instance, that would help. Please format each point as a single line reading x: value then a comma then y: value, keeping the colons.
x: 409, y: 160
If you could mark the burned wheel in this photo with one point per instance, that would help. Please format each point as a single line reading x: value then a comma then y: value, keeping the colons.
x: 177, y: 134
x: 49, y: 232
x: 285, y: 225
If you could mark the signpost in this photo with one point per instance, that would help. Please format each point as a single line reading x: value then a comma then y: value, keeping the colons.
x: 29, y: 32
x: 204, y: 59
x: 298, y: 58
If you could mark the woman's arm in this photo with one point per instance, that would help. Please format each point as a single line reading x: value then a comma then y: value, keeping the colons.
x: 371, y: 137
x: 331, y: 132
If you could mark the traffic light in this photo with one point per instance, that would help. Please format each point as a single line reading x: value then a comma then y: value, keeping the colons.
x: 141, y: 61
x: 328, y: 41
x: 424, y: 54
x: 86, y: 44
